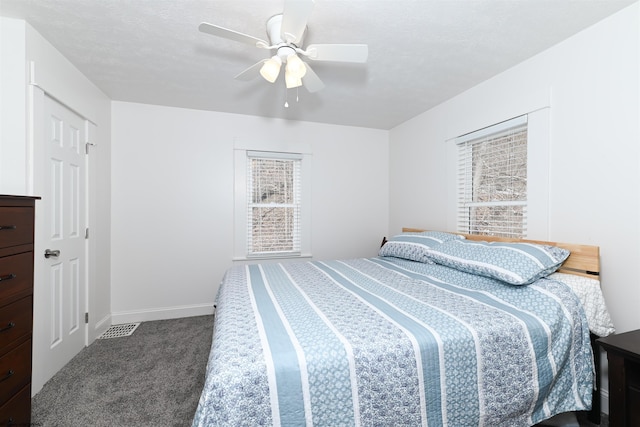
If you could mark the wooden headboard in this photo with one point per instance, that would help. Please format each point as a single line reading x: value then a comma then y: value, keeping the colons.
x: 584, y: 260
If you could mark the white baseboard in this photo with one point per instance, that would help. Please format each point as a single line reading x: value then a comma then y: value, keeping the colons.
x: 101, y: 326
x: 163, y: 313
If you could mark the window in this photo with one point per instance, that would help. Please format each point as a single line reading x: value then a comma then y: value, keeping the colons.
x: 492, y: 180
x: 273, y: 215
x: 272, y: 202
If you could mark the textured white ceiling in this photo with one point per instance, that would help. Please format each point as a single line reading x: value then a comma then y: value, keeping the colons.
x: 421, y: 52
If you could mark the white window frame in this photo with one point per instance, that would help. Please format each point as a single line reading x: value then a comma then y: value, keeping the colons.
x: 241, y: 200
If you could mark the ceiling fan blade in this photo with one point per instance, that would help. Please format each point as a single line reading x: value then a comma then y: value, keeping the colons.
x: 251, y: 72
x: 294, y: 19
x: 232, y: 35
x: 311, y: 81
x: 338, y: 52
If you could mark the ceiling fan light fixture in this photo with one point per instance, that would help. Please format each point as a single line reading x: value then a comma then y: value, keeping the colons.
x: 292, y: 81
x: 295, y: 66
x: 271, y: 68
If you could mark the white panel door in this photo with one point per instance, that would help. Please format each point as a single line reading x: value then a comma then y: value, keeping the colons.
x: 64, y: 208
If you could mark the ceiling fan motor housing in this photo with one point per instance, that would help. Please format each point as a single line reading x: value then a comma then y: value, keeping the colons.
x: 274, y: 31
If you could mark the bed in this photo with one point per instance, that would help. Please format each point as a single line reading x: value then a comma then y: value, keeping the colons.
x: 439, y: 329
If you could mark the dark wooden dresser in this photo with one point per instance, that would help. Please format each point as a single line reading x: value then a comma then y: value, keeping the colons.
x: 16, y: 308
x: 623, y: 354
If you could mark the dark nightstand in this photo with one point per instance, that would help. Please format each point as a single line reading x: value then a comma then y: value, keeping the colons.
x: 623, y: 353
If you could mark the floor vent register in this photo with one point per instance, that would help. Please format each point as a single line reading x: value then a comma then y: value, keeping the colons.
x: 119, y: 331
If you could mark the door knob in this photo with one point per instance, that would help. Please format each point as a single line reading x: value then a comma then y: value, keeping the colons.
x: 48, y: 253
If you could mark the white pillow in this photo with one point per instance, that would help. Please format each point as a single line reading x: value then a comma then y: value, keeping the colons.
x: 590, y: 295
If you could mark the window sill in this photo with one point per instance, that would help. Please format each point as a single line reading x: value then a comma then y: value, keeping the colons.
x: 272, y: 257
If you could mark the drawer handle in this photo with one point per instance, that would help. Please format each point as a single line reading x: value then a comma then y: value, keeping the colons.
x: 7, y: 277
x: 9, y: 326
x: 9, y: 375
x: 8, y: 227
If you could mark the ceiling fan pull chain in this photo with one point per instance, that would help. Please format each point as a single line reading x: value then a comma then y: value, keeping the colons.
x: 286, y: 98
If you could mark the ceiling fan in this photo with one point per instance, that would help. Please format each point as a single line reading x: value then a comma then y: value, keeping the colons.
x: 286, y: 33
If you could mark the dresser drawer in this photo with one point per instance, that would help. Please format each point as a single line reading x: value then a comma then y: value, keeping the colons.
x: 16, y: 274
x: 17, y: 411
x: 16, y: 320
x: 16, y: 226
x: 15, y: 370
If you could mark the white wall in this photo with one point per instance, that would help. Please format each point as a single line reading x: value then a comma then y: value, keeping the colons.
x: 592, y: 85
x: 13, y: 107
x: 172, y: 200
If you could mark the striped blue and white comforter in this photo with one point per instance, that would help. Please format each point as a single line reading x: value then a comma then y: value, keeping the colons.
x: 389, y: 342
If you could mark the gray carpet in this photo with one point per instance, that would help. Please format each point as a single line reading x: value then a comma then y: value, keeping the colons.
x: 153, y: 378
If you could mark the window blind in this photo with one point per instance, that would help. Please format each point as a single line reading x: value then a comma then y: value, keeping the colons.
x: 492, y: 180
x: 274, y: 201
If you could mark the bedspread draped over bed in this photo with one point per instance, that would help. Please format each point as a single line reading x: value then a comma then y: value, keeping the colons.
x: 387, y: 342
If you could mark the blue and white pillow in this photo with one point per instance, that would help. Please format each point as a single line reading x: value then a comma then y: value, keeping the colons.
x: 514, y: 263
x: 415, y: 246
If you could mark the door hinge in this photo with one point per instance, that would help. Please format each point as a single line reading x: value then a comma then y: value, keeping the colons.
x: 86, y: 318
x: 86, y: 233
